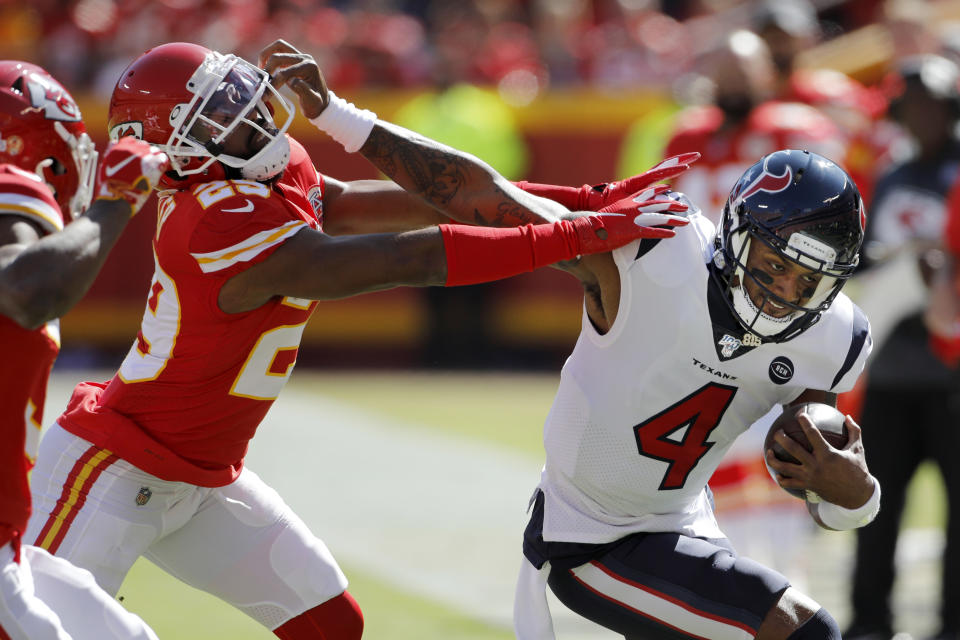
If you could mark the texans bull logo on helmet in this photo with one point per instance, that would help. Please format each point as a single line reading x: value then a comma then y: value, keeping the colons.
x: 766, y: 181
x: 807, y: 210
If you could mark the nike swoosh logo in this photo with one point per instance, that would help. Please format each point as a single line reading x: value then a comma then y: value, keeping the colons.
x: 120, y: 165
x: 247, y: 208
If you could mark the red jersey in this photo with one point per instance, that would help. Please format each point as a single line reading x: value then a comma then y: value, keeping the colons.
x: 726, y: 154
x: 951, y: 231
x: 858, y: 111
x: 197, y: 381
x: 28, y: 356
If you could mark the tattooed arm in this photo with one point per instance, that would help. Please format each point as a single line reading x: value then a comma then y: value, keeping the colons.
x: 457, y: 183
x: 374, y: 206
x: 446, y: 182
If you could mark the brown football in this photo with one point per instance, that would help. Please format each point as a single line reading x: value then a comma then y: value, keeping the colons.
x: 827, y: 419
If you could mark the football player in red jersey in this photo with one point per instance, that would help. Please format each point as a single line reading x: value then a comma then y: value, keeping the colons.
x: 151, y: 462
x: 743, y: 122
x: 51, y: 248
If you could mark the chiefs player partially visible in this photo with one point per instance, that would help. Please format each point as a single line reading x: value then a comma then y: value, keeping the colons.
x: 49, y: 256
x: 742, y: 122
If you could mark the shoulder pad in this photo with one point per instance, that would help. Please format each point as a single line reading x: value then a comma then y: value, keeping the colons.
x: 23, y: 193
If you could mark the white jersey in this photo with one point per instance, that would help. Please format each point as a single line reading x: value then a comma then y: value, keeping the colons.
x: 645, y: 412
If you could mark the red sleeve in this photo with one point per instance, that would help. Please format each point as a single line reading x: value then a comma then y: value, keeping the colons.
x: 951, y: 230
x: 947, y: 350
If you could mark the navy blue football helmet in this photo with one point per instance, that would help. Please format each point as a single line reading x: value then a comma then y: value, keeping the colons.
x: 809, y: 211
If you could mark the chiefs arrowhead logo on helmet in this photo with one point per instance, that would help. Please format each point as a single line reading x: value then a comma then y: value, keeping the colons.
x: 134, y: 129
x: 42, y: 133
x: 51, y: 99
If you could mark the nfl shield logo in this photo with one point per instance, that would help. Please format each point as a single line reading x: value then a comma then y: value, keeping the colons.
x: 143, y: 496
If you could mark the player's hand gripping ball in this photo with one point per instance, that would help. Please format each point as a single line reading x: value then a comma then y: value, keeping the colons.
x: 827, y: 419
x: 129, y: 170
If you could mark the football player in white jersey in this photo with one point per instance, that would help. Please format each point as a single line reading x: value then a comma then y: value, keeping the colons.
x: 684, y: 345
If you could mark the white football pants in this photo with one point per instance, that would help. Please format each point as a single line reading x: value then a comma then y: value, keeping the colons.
x: 47, y: 598
x: 240, y: 542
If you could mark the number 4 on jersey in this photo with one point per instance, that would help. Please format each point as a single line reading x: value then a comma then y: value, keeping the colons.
x: 699, y: 413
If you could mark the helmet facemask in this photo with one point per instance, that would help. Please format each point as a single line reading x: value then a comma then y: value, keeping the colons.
x: 84, y: 154
x: 801, y: 249
x: 48, y: 138
x: 230, y: 96
x: 793, y: 224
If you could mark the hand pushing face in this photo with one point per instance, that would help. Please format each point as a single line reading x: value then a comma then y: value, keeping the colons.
x: 289, y: 66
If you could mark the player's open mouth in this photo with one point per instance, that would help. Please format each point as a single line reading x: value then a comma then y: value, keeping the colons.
x: 777, y: 310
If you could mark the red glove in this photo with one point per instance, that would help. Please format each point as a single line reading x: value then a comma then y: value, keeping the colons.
x: 480, y: 254
x: 641, y: 215
x: 594, y: 198
x: 946, y: 349
x: 130, y: 169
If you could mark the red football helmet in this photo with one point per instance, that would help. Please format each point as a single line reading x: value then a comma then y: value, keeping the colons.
x: 188, y: 100
x: 41, y: 131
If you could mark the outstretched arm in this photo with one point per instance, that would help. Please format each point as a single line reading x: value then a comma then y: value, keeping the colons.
x: 457, y: 183
x: 374, y: 206
x: 42, y: 277
x: 453, y: 182
x: 595, y: 197
x: 381, y: 206
x: 448, y: 255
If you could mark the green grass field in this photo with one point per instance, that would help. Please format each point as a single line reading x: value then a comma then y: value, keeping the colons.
x: 504, y: 411
x: 175, y: 610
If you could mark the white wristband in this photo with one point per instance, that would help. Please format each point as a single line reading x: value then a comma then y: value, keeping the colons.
x: 345, y: 123
x: 843, y: 519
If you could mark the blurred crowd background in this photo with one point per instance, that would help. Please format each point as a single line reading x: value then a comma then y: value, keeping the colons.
x: 536, y: 44
x: 558, y: 91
